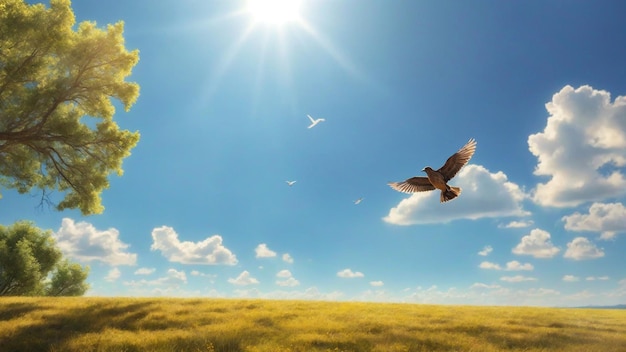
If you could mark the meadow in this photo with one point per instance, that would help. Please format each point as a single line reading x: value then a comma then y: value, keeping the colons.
x: 233, y: 325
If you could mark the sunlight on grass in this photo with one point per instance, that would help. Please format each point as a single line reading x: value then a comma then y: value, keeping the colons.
x: 213, y: 325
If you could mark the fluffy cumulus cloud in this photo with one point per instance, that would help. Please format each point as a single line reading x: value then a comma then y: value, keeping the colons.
x: 377, y: 283
x: 486, y: 250
x: 144, y: 271
x: 286, y: 279
x: 608, y: 219
x: 289, y: 282
x: 209, y: 251
x: 570, y: 278
x: 262, y: 251
x: 480, y: 285
x: 537, y: 244
x: 490, y: 265
x: 513, y: 265
x: 515, y: 224
x: 517, y: 278
x: 349, y: 274
x: 284, y: 274
x: 287, y: 258
x: 83, y: 242
x: 484, y: 194
x: 582, y: 150
x: 197, y: 273
x: 113, y: 275
x: 244, y: 279
x: 581, y: 248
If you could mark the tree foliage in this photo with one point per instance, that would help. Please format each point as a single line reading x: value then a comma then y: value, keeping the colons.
x: 28, y: 256
x: 68, y: 279
x: 56, y: 112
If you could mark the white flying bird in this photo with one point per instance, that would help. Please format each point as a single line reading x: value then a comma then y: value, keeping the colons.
x: 290, y: 183
x: 314, y: 121
x: 358, y: 201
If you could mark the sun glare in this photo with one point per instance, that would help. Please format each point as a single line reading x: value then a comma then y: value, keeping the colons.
x: 274, y: 12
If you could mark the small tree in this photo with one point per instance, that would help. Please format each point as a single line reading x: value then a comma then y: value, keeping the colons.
x: 68, y: 279
x: 27, y: 256
x: 56, y: 115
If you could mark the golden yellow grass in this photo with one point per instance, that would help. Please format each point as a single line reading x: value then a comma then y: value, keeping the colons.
x: 162, y: 324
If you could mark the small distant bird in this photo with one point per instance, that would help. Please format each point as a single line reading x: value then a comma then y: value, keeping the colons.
x: 356, y: 202
x: 290, y: 183
x: 439, y: 179
x: 314, y: 121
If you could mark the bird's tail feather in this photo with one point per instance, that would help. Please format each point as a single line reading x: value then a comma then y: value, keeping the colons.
x: 450, y: 193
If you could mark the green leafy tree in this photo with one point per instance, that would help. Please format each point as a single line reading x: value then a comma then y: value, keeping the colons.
x: 68, y: 279
x: 56, y: 112
x: 32, y: 265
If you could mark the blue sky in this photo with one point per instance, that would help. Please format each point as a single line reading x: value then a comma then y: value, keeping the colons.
x: 203, y: 208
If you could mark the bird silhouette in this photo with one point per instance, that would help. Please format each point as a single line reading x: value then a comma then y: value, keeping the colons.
x: 314, y: 122
x: 290, y: 183
x: 438, y: 179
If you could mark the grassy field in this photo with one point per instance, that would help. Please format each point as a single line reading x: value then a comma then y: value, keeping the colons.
x: 153, y: 324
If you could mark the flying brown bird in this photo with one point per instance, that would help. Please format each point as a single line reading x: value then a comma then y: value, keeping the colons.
x: 438, y: 179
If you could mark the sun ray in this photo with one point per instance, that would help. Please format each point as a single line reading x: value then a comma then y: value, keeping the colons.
x: 343, y: 61
x: 225, y: 62
x: 260, y: 73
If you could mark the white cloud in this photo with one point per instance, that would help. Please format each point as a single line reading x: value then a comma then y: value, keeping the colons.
x: 581, y: 148
x: 570, y: 278
x: 144, y: 271
x: 83, y: 242
x: 581, y: 248
x: 593, y: 278
x: 485, y: 194
x: 244, y: 279
x: 489, y: 265
x: 513, y: 265
x: 201, y: 274
x: 486, y: 250
x: 608, y: 219
x: 209, y: 251
x: 517, y: 278
x: 377, y: 283
x: 263, y: 252
x: 537, y: 244
x: 349, y: 274
x: 287, y: 258
x: 289, y: 282
x: 517, y: 224
x: 113, y: 275
x: 481, y: 285
x: 284, y: 274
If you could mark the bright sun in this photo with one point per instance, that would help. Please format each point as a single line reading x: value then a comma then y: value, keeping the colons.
x: 274, y: 12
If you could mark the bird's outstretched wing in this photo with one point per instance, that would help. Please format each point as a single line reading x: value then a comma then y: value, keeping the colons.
x: 458, y: 160
x: 412, y: 185
x: 310, y: 118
